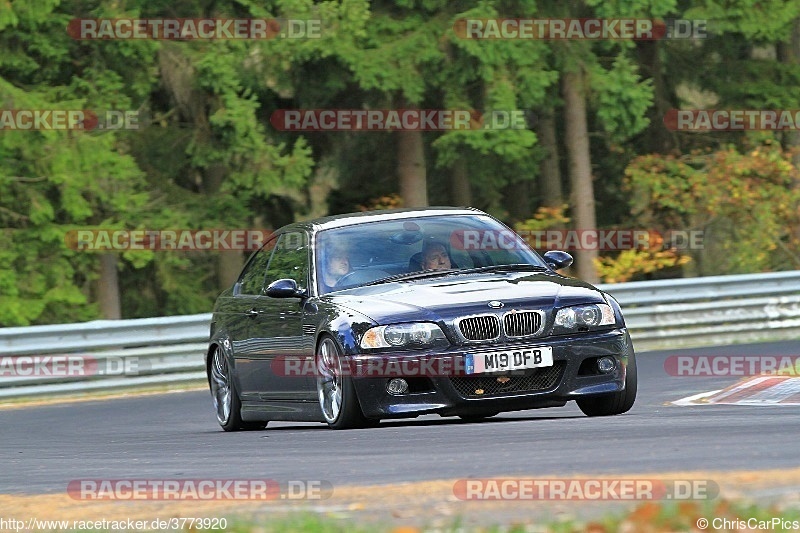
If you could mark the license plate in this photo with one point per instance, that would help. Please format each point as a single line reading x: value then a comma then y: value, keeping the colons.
x: 503, y: 361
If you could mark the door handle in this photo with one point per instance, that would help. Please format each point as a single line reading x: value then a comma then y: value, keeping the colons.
x: 252, y: 312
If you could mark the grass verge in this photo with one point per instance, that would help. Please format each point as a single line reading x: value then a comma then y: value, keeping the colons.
x: 722, y: 516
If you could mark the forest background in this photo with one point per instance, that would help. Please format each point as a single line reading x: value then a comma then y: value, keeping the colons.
x: 596, y: 154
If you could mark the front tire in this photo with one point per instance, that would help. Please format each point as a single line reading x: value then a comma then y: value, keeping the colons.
x: 335, y: 390
x: 227, y: 404
x: 614, y: 403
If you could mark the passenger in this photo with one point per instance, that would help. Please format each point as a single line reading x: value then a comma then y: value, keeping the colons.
x: 435, y: 257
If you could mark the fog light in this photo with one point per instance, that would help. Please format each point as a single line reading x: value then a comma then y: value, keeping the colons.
x: 606, y: 364
x: 397, y: 386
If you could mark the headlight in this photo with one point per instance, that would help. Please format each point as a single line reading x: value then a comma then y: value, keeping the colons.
x: 585, y: 316
x: 417, y: 334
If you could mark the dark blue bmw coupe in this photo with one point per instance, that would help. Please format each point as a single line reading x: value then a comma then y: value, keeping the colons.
x: 355, y: 318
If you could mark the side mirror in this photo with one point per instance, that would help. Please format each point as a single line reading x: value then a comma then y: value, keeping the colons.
x: 284, y: 288
x: 556, y: 259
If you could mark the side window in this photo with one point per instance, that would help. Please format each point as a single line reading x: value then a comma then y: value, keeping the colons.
x: 290, y: 259
x: 252, y: 279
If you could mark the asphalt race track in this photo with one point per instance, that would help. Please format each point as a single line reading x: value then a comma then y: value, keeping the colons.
x: 175, y: 435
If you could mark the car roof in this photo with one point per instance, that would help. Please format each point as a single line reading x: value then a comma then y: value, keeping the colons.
x: 352, y: 219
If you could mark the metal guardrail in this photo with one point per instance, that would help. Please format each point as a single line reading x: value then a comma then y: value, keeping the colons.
x: 708, y: 311
x: 103, y: 355
x: 662, y: 314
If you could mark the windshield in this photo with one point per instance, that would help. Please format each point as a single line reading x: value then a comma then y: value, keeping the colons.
x: 353, y: 256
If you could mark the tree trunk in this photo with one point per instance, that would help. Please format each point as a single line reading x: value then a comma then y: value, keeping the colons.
x: 325, y: 180
x: 461, y: 190
x: 659, y: 138
x: 229, y: 262
x: 552, y: 193
x: 411, y: 168
x: 516, y: 201
x: 108, y: 288
x: 179, y: 77
x: 580, y: 168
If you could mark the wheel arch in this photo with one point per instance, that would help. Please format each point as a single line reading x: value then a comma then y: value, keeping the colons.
x: 208, y: 357
x: 224, y: 344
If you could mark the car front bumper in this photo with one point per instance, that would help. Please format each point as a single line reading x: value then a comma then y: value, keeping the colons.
x: 572, y: 376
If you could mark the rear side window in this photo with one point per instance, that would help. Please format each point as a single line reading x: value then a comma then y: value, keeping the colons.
x: 252, y: 279
x: 290, y: 259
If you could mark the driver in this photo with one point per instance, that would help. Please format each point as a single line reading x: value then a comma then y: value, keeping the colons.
x: 336, y: 266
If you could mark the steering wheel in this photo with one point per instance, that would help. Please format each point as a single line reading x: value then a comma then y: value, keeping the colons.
x: 357, y: 277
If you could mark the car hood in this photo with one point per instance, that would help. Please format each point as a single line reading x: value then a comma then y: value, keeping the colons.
x: 459, y: 295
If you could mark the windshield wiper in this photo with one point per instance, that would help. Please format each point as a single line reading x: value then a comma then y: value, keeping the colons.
x: 412, y: 275
x: 513, y: 267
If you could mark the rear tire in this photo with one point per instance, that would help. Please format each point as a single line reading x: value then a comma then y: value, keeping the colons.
x: 614, y: 403
x: 227, y: 404
x: 335, y: 390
